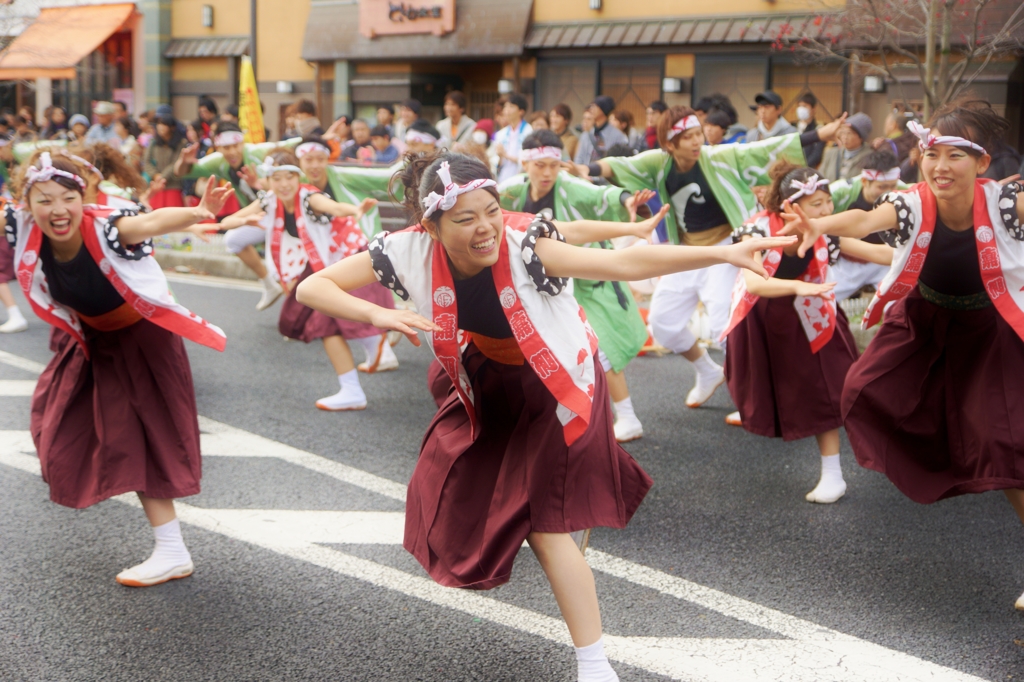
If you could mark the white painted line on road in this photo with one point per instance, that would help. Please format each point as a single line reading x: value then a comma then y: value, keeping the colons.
x: 214, y: 282
x: 21, y: 363
x: 16, y: 387
x: 814, y: 653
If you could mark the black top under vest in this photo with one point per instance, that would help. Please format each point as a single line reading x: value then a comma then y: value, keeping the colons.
x: 79, y: 283
x: 289, y: 223
x: 696, y: 208
x: 478, y: 306
x: 951, y: 266
x: 862, y: 203
x: 535, y: 207
x: 791, y: 267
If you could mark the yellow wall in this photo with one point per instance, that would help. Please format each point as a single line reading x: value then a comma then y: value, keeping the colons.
x: 575, y: 10
x: 230, y: 18
x: 208, y: 69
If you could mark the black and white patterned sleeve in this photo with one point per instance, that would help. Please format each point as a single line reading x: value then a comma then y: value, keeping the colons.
x: 319, y: 218
x: 383, y: 268
x: 751, y: 228
x: 1008, y: 209
x: 112, y: 234
x: 904, y: 218
x: 541, y: 227
x: 833, y: 248
x: 11, y: 225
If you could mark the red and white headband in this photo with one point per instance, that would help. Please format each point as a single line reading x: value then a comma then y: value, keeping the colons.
x: 307, y: 148
x: 879, y: 175
x: 435, y: 201
x: 420, y: 136
x: 46, y: 171
x: 682, y: 125
x: 538, y: 153
x: 268, y: 168
x: 228, y: 137
x: 927, y: 140
x: 806, y: 189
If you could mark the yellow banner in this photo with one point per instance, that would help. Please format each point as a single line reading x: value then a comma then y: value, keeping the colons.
x: 250, y: 115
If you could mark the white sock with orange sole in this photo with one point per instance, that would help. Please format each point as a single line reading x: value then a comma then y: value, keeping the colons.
x: 170, y: 559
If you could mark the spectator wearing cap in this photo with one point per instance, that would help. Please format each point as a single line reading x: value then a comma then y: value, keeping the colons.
x: 595, y: 143
x: 770, y: 123
x: 408, y: 112
x: 805, y: 123
x: 508, y: 142
x: 78, y: 127
x: 103, y: 130
x: 455, y: 126
x: 845, y: 160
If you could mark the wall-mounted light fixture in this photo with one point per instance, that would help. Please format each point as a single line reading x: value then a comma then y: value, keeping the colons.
x: 595, y: 4
x: 506, y: 87
x: 285, y: 87
x: 672, y: 84
x: 207, y: 16
x: 874, y: 84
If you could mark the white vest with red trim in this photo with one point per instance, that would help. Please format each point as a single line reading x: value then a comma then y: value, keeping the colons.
x: 138, y: 279
x: 551, y: 330
x: 323, y: 240
x: 998, y: 237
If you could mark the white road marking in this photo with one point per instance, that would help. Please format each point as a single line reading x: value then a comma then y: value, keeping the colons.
x: 21, y: 363
x: 214, y: 282
x: 16, y: 387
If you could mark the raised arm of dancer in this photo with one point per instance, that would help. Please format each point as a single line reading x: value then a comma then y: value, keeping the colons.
x: 872, y: 253
x: 627, y: 265
x: 588, y: 231
x: 321, y: 203
x: 854, y: 223
x: 189, y: 155
x: 250, y: 215
x: 136, y: 229
x: 327, y: 291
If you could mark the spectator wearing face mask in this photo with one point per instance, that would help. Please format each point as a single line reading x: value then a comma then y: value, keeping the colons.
x: 805, y: 123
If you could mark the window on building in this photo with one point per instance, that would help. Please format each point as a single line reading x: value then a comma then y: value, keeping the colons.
x: 566, y: 82
x: 824, y: 82
x: 632, y: 85
x: 739, y: 78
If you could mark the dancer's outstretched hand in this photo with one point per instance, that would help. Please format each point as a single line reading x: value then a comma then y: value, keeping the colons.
x: 404, y: 321
x: 365, y: 206
x: 744, y: 254
x: 797, y: 223
x: 811, y: 289
x: 645, y: 228
x: 213, y: 200
x: 639, y: 198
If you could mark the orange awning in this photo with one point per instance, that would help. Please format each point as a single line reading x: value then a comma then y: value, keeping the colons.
x: 52, y: 45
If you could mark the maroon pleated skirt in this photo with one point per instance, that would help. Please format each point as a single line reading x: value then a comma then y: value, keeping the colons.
x: 123, y: 420
x: 472, y: 502
x: 779, y: 386
x: 6, y: 261
x: 936, y: 403
x: 438, y: 382
x: 302, y: 323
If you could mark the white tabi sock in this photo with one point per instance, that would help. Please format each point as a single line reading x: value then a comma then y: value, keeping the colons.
x: 350, y: 397
x: 14, y: 313
x: 831, y: 486
x: 706, y: 367
x: 593, y: 665
x: 370, y: 344
x: 169, y: 553
x: 624, y: 409
x: 269, y: 283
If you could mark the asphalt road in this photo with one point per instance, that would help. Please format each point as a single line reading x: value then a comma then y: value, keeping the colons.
x: 725, y: 572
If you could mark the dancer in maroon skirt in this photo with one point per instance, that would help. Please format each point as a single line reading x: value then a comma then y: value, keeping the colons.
x: 523, y: 447
x: 114, y: 411
x: 936, y: 402
x: 307, y: 231
x: 790, y: 346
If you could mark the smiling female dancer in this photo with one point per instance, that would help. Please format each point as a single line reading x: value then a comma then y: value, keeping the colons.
x: 936, y: 402
x: 114, y: 411
x: 523, y: 447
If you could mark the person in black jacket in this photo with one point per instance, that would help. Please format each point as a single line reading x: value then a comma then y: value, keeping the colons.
x: 806, y: 122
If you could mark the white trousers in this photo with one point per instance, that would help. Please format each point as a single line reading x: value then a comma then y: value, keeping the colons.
x: 676, y: 297
x: 851, y: 276
x: 248, y: 235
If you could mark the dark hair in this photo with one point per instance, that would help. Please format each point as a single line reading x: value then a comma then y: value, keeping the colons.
x: 518, y: 100
x: 20, y: 120
x: 120, y: 104
x: 225, y: 126
x: 60, y: 162
x: 973, y: 120
x: 782, y: 174
x: 658, y: 106
x: 536, y: 115
x: 456, y: 98
x: 564, y: 111
x: 620, y: 149
x: 624, y: 116
x: 414, y: 105
x: 231, y: 110
x: 283, y: 156
x: 881, y: 160
x: 668, y: 119
x: 723, y: 103
x: 380, y: 131
x: 112, y: 164
x: 388, y: 108
x: 704, y: 104
x: 420, y: 179
x: 422, y: 126
x: 717, y: 117
x: 207, y: 102
x: 305, y: 106
x: 542, y: 138
x: 314, y: 138
x: 127, y: 123
x: 808, y: 98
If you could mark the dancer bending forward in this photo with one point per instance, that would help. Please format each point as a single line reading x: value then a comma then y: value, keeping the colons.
x: 523, y: 448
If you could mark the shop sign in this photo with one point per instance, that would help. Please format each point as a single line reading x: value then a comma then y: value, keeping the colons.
x: 404, y: 17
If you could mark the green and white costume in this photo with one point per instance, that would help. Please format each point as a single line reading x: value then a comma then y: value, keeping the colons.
x: 353, y: 184
x: 252, y: 154
x: 609, y: 306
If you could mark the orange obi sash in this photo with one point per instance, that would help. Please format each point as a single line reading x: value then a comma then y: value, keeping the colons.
x: 505, y: 351
x: 120, y: 317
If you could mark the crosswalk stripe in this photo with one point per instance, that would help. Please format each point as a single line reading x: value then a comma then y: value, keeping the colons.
x: 13, y: 388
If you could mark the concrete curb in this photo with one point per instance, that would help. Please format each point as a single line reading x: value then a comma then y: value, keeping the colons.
x: 218, y: 265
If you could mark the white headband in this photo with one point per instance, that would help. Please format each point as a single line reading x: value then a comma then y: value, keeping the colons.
x: 228, y: 137
x: 806, y: 189
x: 682, y: 125
x: 46, y: 171
x: 420, y: 136
x: 884, y: 176
x: 267, y: 168
x: 540, y: 153
x: 435, y: 201
x: 927, y: 140
x: 309, y: 147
